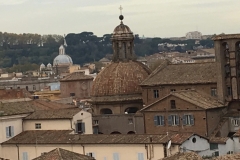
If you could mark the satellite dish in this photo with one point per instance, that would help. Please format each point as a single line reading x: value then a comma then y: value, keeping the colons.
x: 169, y: 144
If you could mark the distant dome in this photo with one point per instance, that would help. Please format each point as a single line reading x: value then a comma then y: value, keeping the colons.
x: 49, y: 65
x: 42, y: 66
x: 62, y: 59
x: 120, y: 79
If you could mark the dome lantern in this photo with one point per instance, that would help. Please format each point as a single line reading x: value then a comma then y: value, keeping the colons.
x: 122, y: 42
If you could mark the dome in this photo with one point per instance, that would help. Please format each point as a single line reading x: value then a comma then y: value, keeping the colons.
x: 119, y: 79
x: 42, y: 66
x: 62, y: 59
x: 49, y: 65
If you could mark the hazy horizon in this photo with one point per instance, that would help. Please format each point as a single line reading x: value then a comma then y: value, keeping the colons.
x: 155, y: 18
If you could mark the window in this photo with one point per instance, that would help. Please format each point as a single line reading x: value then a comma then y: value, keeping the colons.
x: 91, y: 154
x: 130, y: 121
x: 96, y: 122
x: 140, y: 156
x: 156, y: 93
x: 72, y: 94
x: 229, y: 91
x: 235, y: 122
x: 173, y: 105
x: 115, y: 156
x: 188, y: 119
x: 9, y: 131
x: 34, y: 87
x: 214, y: 92
x: 80, y: 127
x: 194, y: 140
x: 173, y: 120
x: 173, y: 90
x: 213, y: 146
x: 159, y: 120
x: 25, y: 156
x: 38, y: 126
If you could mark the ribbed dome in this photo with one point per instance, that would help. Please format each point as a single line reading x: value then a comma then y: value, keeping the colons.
x: 62, y: 59
x: 120, y: 79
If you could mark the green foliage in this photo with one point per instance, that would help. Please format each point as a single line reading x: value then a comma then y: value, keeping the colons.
x: 85, y: 47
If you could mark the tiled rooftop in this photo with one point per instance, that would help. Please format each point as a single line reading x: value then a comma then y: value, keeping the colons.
x: 199, y: 99
x: 54, y: 114
x: 29, y: 107
x: 76, y: 76
x: 228, y: 157
x: 62, y: 154
x: 184, y: 156
x: 64, y: 136
x: 189, y: 73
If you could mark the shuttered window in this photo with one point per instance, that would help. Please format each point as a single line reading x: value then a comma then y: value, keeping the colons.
x: 80, y: 127
x: 116, y: 156
x: 159, y: 120
x: 25, y: 156
x: 140, y: 156
x: 188, y: 119
x: 9, y: 131
x: 173, y: 120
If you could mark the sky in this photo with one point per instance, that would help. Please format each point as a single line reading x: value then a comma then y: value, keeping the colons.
x: 151, y: 18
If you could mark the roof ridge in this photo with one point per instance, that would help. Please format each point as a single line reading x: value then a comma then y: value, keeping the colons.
x: 59, y: 153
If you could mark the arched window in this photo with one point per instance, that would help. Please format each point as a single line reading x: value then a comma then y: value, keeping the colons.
x: 115, y: 132
x: 131, y: 132
x: 131, y: 110
x: 106, y: 111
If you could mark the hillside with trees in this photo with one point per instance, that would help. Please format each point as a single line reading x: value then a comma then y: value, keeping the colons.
x: 22, y: 52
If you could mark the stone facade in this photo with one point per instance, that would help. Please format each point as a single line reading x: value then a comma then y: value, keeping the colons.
x: 30, y: 85
x: 191, y: 114
x: 77, y: 85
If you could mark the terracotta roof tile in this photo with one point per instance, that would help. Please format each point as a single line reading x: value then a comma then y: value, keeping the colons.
x: 184, y: 156
x: 62, y: 154
x: 76, y: 76
x: 202, y: 100
x: 219, y: 140
x: 15, y: 108
x: 228, y: 157
x: 189, y: 73
x: 54, y: 114
x: 64, y: 137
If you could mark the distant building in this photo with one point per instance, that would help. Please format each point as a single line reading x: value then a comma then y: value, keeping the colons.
x: 194, y: 35
x: 77, y: 85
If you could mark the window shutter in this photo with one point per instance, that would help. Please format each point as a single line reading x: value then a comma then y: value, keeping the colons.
x: 162, y: 120
x: 93, y: 155
x: 177, y: 120
x: 83, y: 127
x: 140, y: 156
x: 155, y: 120
x: 184, y: 119
x: 25, y: 156
x: 192, y: 119
x: 7, y: 132
x: 115, y: 156
x: 12, y: 131
x: 76, y: 128
x: 170, y: 120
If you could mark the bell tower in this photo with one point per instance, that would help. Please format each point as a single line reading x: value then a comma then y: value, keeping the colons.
x: 122, y: 42
x: 227, y: 50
